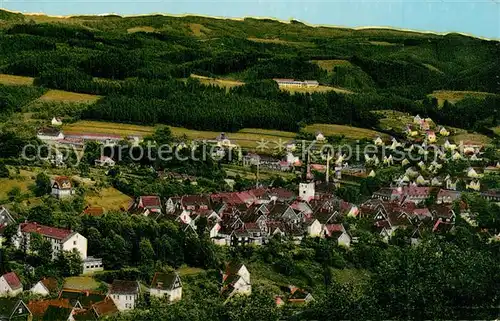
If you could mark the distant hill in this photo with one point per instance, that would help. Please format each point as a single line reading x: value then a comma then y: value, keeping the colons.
x: 384, y: 68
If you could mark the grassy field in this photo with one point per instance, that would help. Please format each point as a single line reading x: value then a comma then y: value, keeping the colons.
x: 141, y: 29
x: 282, y: 42
x: 108, y: 128
x: 496, y: 130
x: 246, y: 138
x: 68, y: 97
x: 81, y: 283
x: 186, y: 270
x: 394, y: 120
x: 474, y: 138
x: 328, y: 65
x: 23, y: 180
x: 347, y: 131
x: 11, y: 80
x: 198, y: 29
x: 319, y: 89
x: 455, y: 96
x: 110, y: 199
x: 224, y: 83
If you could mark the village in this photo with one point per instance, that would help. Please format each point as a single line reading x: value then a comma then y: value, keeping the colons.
x: 422, y: 199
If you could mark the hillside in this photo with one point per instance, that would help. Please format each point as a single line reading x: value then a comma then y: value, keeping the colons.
x: 145, y: 61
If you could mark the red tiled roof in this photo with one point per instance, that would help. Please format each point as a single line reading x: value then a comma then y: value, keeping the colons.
x: 12, y: 280
x: 106, y: 307
x: 150, y: 201
x: 61, y: 180
x: 52, y: 232
x: 334, y: 228
x: 50, y: 284
x: 38, y: 308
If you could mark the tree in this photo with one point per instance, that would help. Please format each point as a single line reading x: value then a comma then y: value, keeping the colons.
x: 146, y: 252
x: 42, y: 248
x: 42, y: 184
x: 69, y: 263
x: 163, y: 135
x: 4, y: 171
x: 14, y: 194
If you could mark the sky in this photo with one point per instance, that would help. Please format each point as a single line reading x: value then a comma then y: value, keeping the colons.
x: 476, y: 17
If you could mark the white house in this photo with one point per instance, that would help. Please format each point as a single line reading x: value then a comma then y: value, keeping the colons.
x: 168, y: 284
x: 314, y: 228
x: 10, y: 285
x: 320, y: 137
x: 56, y: 121
x: 236, y: 280
x: 125, y: 294
x: 62, y: 187
x: 50, y: 134
x: 60, y: 239
x: 45, y: 287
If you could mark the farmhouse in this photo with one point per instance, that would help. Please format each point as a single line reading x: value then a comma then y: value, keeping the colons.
x: 124, y: 294
x: 166, y: 284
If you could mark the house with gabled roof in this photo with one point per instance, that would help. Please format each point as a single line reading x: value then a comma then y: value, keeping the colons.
x: 338, y: 233
x: 125, y: 294
x: 81, y: 298
x: 236, y: 280
x: 39, y: 308
x: 146, y: 205
x: 62, y: 187
x: 12, y: 309
x: 104, y: 308
x: 10, y: 284
x: 166, y: 284
x: 45, y: 286
x: 298, y: 296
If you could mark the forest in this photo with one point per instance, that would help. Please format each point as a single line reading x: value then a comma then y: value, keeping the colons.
x: 143, y: 74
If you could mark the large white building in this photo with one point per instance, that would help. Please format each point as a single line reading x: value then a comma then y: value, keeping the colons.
x: 60, y: 240
x: 166, y: 284
x: 124, y: 294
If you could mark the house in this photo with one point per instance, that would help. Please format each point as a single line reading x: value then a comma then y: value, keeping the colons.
x: 447, y: 196
x: 251, y: 160
x: 337, y: 232
x: 378, y: 141
x: 49, y: 134
x: 295, y: 83
x: 314, y: 228
x: 82, y: 298
x: 146, y: 205
x: 474, y: 185
x: 12, y: 309
x: 60, y: 239
x: 431, y: 136
x: 6, y: 219
x: 62, y: 187
x: 56, y: 121
x: 106, y: 307
x: 104, y: 161
x: 10, y: 285
x: 168, y: 284
x: 45, y: 287
x: 236, y: 280
x: 125, y: 294
x: 105, y: 139
x: 320, y: 137
x: 444, y: 132
x: 299, y: 296
x: 306, y: 191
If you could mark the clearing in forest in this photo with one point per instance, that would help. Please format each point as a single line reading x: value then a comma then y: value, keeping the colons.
x: 454, y: 96
x: 11, y: 80
x: 348, y: 131
x: 330, y: 64
x: 224, y: 83
x: 319, y: 89
x: 68, y: 97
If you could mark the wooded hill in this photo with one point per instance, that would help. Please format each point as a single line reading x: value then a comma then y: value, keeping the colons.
x: 138, y: 63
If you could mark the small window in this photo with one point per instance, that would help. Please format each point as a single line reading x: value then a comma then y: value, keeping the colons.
x: 74, y: 242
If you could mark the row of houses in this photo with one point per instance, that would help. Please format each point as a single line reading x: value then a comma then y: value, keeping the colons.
x: 253, y: 216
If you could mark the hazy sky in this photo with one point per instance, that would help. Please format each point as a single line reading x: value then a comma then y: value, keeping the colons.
x: 480, y: 17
